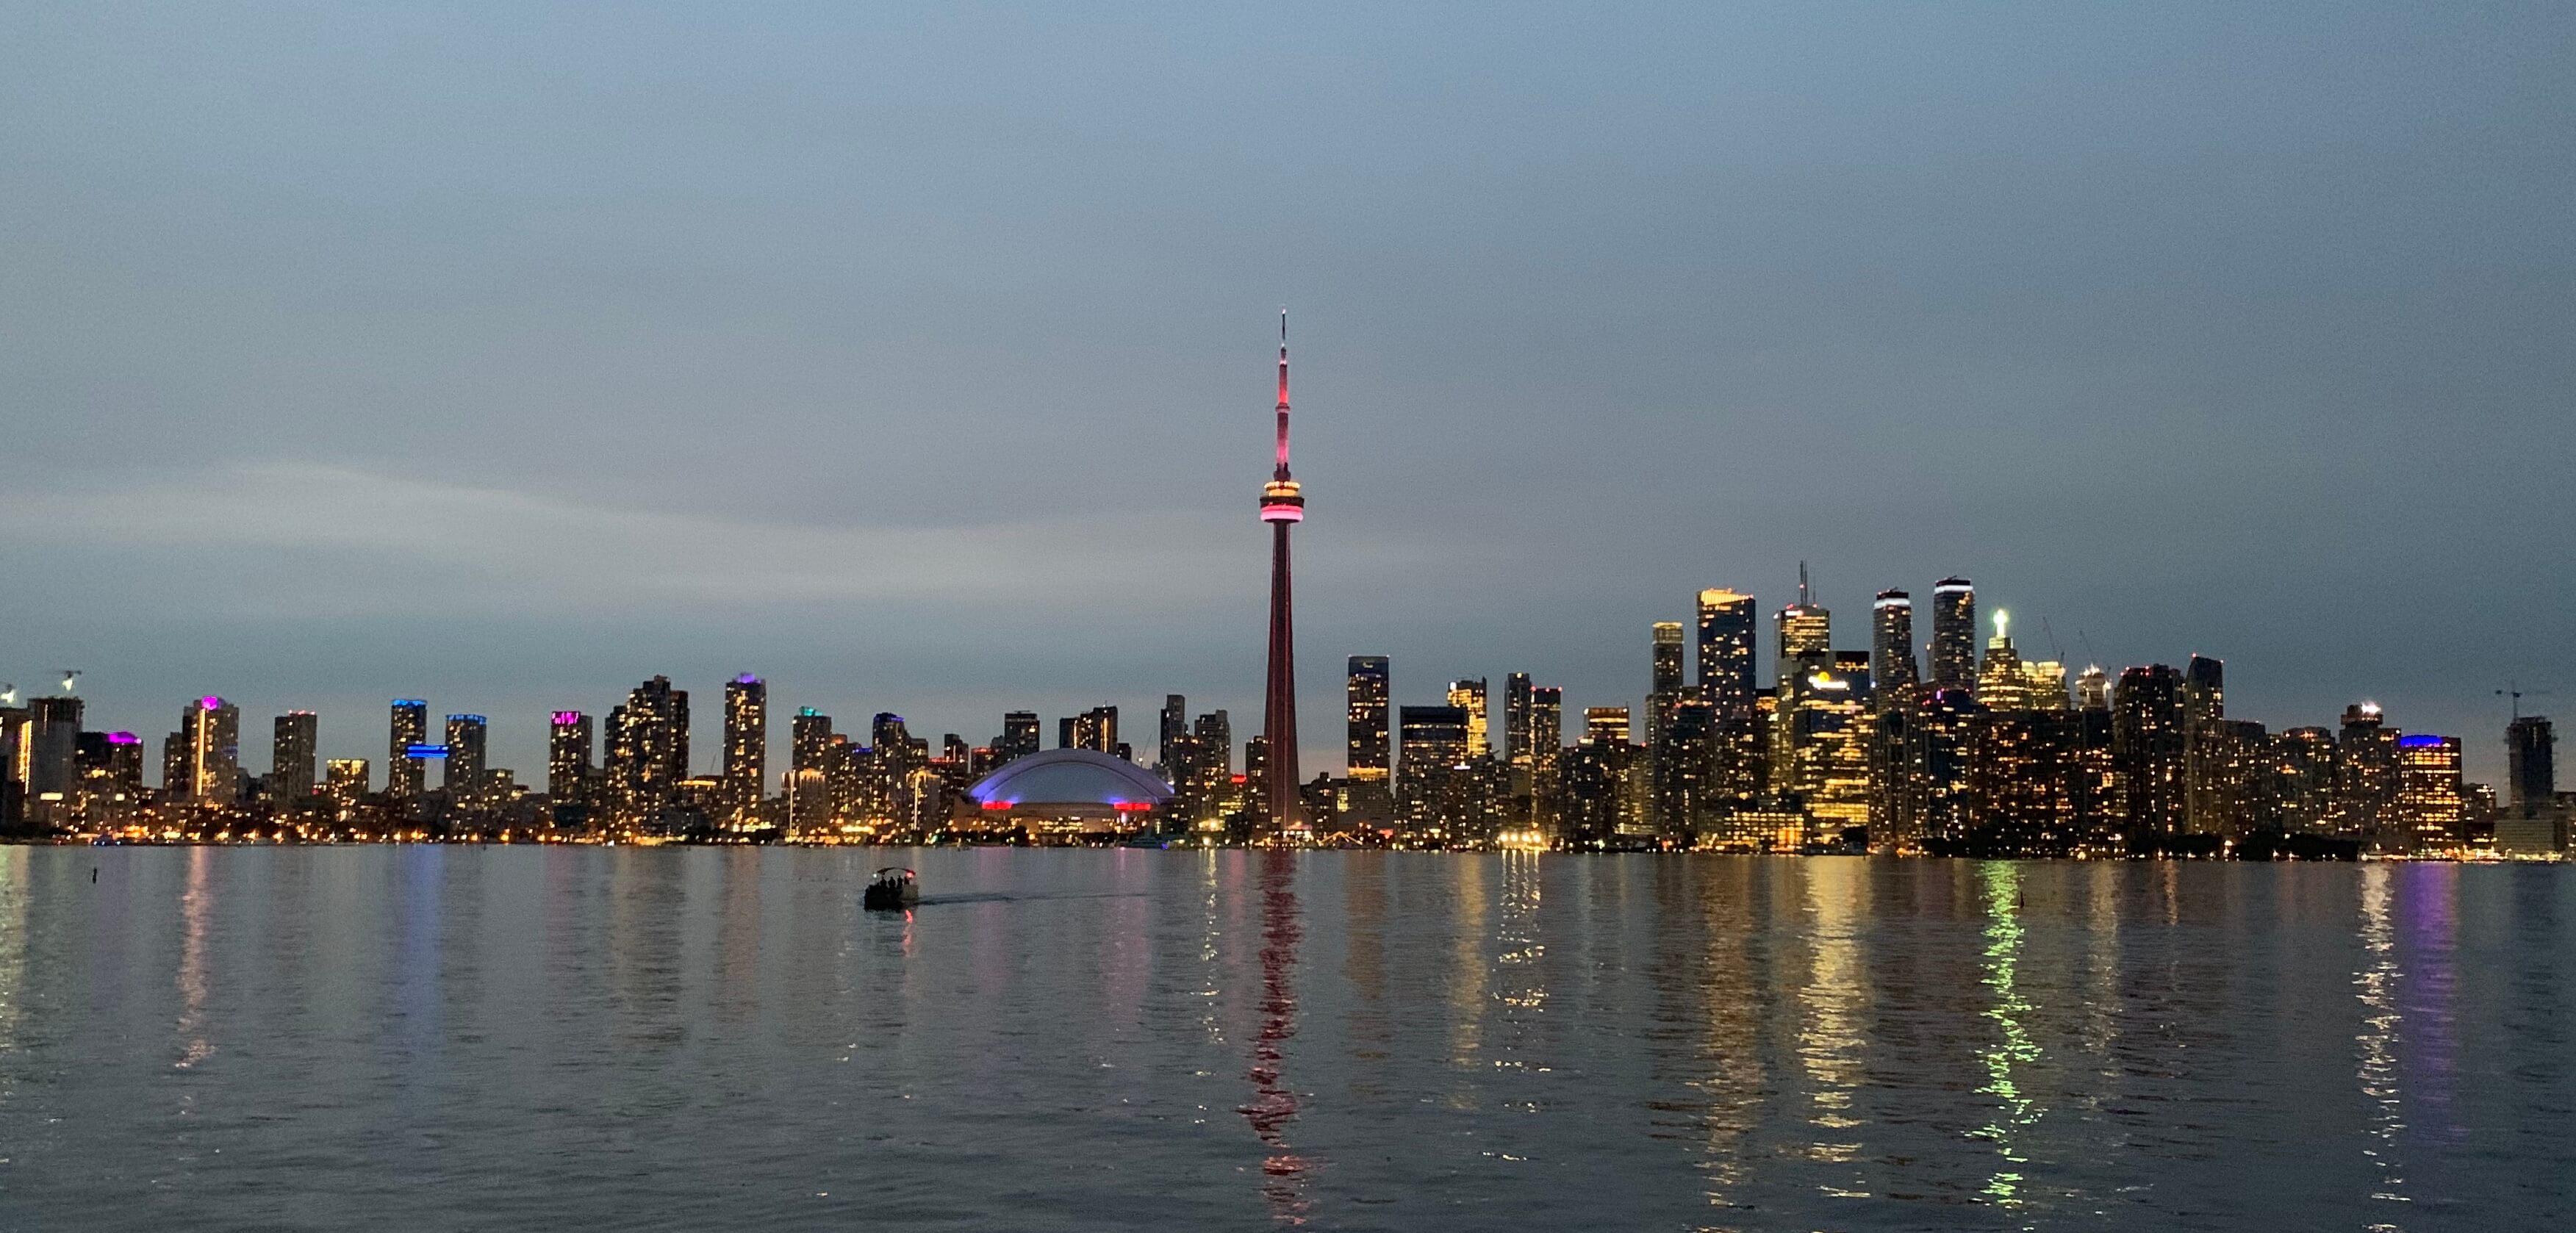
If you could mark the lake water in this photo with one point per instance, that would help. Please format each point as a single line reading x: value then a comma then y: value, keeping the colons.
x: 487, y: 1038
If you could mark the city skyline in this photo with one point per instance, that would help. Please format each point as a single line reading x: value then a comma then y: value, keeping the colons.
x: 438, y: 377
x: 524, y: 738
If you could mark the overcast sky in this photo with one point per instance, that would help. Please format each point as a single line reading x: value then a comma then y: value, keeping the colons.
x: 919, y: 361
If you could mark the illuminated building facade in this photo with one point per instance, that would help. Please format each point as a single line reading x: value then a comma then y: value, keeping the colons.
x: 213, y: 728
x: 406, y: 777
x: 2303, y: 780
x: 1826, y: 733
x: 746, y: 749
x: 1686, y: 788
x: 1172, y: 733
x: 1469, y: 696
x: 41, y: 788
x: 2022, y: 770
x: 2147, y: 753
x: 2093, y: 689
x: 2002, y: 685
x: 1891, y: 647
x: 571, y: 737
x: 1436, y: 782
x: 1519, y: 762
x: 1595, y: 810
x: 1060, y: 796
x: 1665, y: 682
x: 346, y: 786
x: 467, y: 737
x: 2232, y: 787
x: 1954, y: 634
x: 2431, y: 808
x: 293, y: 758
x: 2365, y: 798
x: 1805, y: 634
x: 1727, y: 683
x: 648, y: 755
x: 1941, y: 808
x: 1020, y: 736
x: 1095, y: 729
x: 1547, y: 750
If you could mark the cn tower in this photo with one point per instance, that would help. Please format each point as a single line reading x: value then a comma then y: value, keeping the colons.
x: 1282, y: 506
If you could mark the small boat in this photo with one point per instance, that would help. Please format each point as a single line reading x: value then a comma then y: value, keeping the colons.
x: 892, y: 890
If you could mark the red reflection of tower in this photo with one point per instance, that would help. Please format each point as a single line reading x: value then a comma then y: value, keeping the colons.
x: 1282, y: 505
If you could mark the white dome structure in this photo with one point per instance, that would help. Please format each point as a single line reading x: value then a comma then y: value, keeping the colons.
x: 1067, y: 792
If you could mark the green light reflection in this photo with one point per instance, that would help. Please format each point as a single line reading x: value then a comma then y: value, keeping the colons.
x: 2013, y: 1049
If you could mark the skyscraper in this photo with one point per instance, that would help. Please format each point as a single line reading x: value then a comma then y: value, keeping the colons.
x: 746, y: 747
x: 1547, y: 748
x: 2365, y: 794
x: 1665, y: 679
x: 466, y: 761
x: 293, y: 758
x: 1516, y: 718
x: 2147, y: 753
x: 2204, y: 704
x: 1469, y: 695
x: 2303, y: 762
x: 1283, y: 505
x: 1727, y: 632
x: 347, y: 787
x: 569, y: 738
x: 1685, y: 771
x: 1806, y: 633
x: 2531, y: 766
x: 1726, y: 670
x: 1891, y: 647
x: 1365, y: 692
x: 2002, y: 685
x: 1954, y: 634
x: 2093, y: 689
x: 1438, y: 788
x: 1096, y: 729
x: 1019, y: 736
x: 2430, y: 804
x: 44, y: 765
x: 1805, y: 655
x: 1172, y: 736
x: 1212, y: 736
x: 648, y: 752
x: 405, y: 776
x: 213, y: 728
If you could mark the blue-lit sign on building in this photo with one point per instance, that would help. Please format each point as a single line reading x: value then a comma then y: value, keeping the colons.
x: 425, y: 751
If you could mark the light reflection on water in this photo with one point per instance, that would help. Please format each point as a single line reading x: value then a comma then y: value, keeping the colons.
x: 460, y: 1037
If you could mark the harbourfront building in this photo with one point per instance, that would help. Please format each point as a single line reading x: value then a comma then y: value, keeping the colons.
x: 1954, y: 634
x: 294, y: 756
x: 746, y: 750
x: 406, y: 774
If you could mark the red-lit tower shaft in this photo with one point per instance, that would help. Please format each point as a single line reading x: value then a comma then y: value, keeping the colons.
x: 1282, y: 505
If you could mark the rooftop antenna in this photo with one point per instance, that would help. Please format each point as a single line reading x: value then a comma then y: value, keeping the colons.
x: 2518, y: 693
x: 1802, y: 584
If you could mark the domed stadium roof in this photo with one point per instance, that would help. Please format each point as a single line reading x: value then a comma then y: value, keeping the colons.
x: 1070, y: 777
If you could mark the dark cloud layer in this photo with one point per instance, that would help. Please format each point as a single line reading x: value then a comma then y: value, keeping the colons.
x: 508, y: 354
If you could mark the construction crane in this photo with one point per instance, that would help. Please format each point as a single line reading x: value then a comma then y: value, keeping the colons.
x: 2518, y: 693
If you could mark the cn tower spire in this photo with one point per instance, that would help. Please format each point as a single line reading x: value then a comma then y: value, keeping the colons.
x: 1283, y: 505
x: 1282, y: 471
